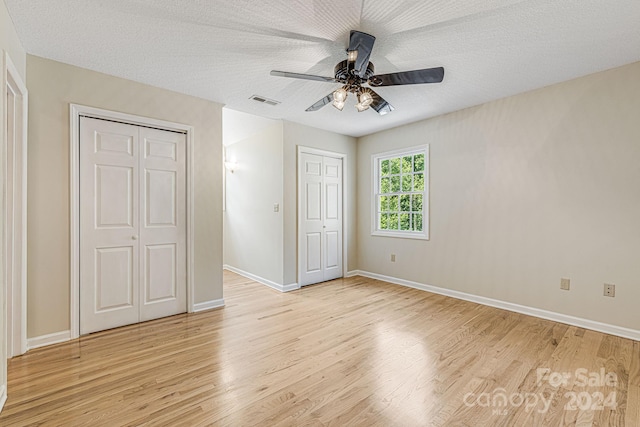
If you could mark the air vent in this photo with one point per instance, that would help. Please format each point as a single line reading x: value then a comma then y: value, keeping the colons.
x: 264, y: 100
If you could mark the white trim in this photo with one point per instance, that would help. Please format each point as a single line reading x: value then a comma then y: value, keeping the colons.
x: 262, y: 280
x: 17, y: 318
x: 3, y: 396
x: 606, y: 328
x: 353, y: 273
x: 49, y: 339
x: 208, y: 305
x: 345, y: 201
x: 375, y: 179
x: 75, y: 112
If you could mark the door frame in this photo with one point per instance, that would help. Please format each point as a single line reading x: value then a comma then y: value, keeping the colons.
x: 345, y: 198
x: 77, y: 111
x: 15, y: 291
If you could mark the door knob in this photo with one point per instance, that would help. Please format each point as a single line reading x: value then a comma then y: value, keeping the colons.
x: 134, y: 237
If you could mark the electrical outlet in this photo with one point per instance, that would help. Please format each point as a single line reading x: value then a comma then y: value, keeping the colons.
x: 393, y: 257
x: 565, y: 284
x: 609, y: 290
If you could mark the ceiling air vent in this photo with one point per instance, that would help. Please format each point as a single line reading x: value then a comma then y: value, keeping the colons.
x: 264, y: 100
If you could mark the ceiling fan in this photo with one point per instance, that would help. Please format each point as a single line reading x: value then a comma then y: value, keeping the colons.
x: 357, y: 70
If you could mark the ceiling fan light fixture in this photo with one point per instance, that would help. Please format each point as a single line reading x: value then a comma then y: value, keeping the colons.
x: 340, y: 95
x: 352, y: 55
x: 338, y: 105
x: 365, y: 99
x: 361, y: 107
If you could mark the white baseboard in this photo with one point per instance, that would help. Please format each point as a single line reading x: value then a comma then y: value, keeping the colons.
x: 267, y: 282
x: 290, y: 287
x: 531, y: 311
x: 208, y: 305
x: 49, y: 339
x: 353, y: 273
x: 3, y: 395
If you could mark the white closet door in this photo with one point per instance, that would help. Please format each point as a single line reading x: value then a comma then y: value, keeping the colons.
x: 163, y: 289
x: 109, y: 272
x: 320, y: 230
x: 332, y: 218
x: 132, y: 224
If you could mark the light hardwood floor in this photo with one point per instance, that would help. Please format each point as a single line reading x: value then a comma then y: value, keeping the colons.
x: 347, y: 352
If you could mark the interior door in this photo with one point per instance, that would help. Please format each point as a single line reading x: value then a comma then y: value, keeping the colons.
x: 132, y: 224
x: 163, y: 224
x: 320, y: 228
x: 332, y: 219
x: 109, y: 246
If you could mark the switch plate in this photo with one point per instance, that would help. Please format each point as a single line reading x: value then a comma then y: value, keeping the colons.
x: 609, y: 290
x: 393, y: 257
x: 565, y: 284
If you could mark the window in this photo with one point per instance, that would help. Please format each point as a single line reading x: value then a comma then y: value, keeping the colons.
x: 401, y: 196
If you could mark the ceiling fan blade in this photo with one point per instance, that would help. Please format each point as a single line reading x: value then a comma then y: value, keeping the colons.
x: 324, y: 101
x: 428, y: 75
x: 380, y: 105
x: 363, y: 44
x: 302, y: 76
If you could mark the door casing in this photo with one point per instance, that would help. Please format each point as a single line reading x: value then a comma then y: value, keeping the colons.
x: 16, y: 285
x: 76, y: 111
x: 345, y: 198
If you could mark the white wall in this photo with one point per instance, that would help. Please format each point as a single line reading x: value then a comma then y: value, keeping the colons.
x: 257, y: 240
x: 252, y: 230
x: 10, y: 44
x: 524, y: 191
x: 295, y: 135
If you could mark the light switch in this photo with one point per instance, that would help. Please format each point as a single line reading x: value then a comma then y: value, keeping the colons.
x: 276, y: 207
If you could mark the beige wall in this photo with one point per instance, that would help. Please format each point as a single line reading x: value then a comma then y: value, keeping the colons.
x: 9, y: 43
x: 295, y: 135
x: 524, y: 191
x: 252, y: 230
x: 52, y: 87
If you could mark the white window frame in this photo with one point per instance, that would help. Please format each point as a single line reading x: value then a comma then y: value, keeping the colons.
x: 376, y: 160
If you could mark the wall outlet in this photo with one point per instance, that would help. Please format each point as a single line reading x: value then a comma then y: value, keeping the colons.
x: 393, y: 257
x: 276, y: 207
x: 565, y: 284
x: 609, y: 290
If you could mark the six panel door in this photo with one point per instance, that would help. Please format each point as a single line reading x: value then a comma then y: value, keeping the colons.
x: 320, y: 233
x: 132, y: 224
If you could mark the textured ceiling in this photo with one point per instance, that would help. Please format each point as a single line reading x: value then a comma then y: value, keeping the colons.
x: 223, y: 50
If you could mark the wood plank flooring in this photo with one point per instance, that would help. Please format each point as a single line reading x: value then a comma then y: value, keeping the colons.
x: 347, y: 352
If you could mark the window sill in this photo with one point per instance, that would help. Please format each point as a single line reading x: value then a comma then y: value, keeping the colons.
x: 401, y: 235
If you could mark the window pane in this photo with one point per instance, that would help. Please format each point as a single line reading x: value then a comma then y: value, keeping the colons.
x: 418, y: 182
x: 416, y: 203
x: 393, y: 204
x: 406, y: 164
x: 418, y: 163
x: 385, y: 167
x: 393, y: 222
x: 406, y: 182
x: 385, y: 185
x: 417, y: 222
x: 384, y: 203
x: 395, y: 165
x: 405, y: 203
x: 395, y: 184
x: 384, y: 222
x: 405, y: 222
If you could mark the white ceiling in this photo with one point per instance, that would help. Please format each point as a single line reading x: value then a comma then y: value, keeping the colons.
x: 223, y: 50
